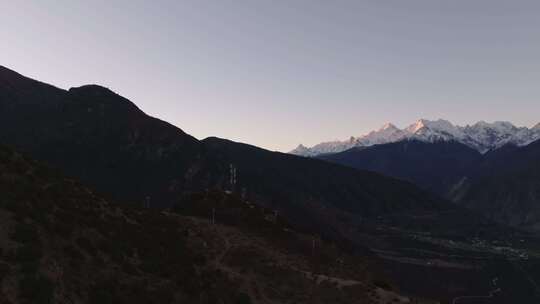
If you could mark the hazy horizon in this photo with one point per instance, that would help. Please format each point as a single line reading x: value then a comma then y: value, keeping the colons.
x: 277, y: 74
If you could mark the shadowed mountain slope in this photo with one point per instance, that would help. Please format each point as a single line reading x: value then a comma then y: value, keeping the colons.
x: 432, y: 166
x: 506, y: 186
x: 503, y: 184
x: 103, y: 139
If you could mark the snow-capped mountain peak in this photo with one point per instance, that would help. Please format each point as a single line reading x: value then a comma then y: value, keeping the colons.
x: 485, y: 136
x: 387, y: 133
x: 390, y: 126
x: 418, y: 125
x: 482, y: 136
x: 497, y: 126
x: 433, y: 129
x: 301, y: 150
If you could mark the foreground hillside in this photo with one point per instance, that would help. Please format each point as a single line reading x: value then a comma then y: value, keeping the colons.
x: 62, y: 243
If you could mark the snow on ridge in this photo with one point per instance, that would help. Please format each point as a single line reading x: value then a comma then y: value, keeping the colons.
x: 482, y: 136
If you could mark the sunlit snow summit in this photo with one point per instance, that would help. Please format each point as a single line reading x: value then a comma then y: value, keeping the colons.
x: 481, y: 136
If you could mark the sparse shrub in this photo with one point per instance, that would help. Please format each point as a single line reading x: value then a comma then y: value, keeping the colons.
x: 30, y: 267
x: 382, y: 284
x: 162, y: 294
x: 189, y: 284
x: 129, y: 268
x: 40, y: 211
x: 19, y: 209
x: 62, y: 229
x: 36, y: 289
x: 85, y: 244
x: 149, y: 265
x: 73, y: 253
x: 98, y: 261
x: 104, y: 291
x: 243, y: 299
x: 4, y: 270
x: 28, y: 253
x: 25, y: 233
x: 112, y: 250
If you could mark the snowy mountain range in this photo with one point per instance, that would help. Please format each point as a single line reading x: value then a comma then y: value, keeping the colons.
x: 481, y: 136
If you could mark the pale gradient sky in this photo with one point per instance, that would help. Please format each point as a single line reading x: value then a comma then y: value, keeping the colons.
x: 279, y: 73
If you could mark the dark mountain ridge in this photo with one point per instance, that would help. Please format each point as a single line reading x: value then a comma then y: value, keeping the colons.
x: 95, y: 134
x: 104, y: 140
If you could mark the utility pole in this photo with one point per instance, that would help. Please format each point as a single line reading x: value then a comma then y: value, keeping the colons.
x: 147, y: 202
x: 244, y: 194
x: 213, y: 216
x: 232, y: 176
x: 315, y: 242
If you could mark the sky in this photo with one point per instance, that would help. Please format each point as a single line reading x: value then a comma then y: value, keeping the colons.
x: 279, y: 73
